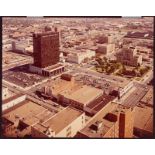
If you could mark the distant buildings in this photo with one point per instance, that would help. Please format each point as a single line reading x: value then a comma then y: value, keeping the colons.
x: 80, y: 104
x: 22, y: 46
x: 80, y: 57
x: 140, y: 35
x: 106, y: 44
x: 105, y: 39
x: 105, y: 48
x: 129, y: 56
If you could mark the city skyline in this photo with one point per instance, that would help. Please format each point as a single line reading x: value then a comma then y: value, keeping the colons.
x: 77, y: 77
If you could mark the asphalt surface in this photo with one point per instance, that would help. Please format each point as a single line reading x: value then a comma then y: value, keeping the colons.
x: 134, y: 98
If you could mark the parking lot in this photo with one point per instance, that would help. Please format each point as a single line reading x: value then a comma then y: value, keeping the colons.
x: 100, y: 83
x: 22, y: 77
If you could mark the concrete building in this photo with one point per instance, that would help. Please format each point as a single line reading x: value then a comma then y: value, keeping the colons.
x: 105, y: 48
x: 12, y: 101
x: 69, y: 92
x: 114, y: 121
x: 98, y: 104
x: 80, y: 56
x: 81, y: 97
x: 126, y: 121
x: 143, y: 121
x: 109, y: 39
x: 128, y: 56
x: 19, y: 118
x: 140, y: 35
x: 148, y: 98
x: 66, y: 123
x: 66, y: 82
x: 46, y: 54
x: 125, y: 87
x: 20, y: 46
x: 10, y: 98
x: 46, y: 49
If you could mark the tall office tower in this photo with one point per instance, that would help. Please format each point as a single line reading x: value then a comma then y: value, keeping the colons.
x: 126, y: 122
x: 46, y: 48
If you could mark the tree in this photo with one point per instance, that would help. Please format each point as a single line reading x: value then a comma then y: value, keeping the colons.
x: 105, y: 59
x: 100, y: 62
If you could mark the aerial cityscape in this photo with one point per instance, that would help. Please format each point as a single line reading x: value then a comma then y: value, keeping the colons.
x: 72, y: 77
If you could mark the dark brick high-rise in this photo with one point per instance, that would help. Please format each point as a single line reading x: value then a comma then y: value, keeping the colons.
x: 46, y: 49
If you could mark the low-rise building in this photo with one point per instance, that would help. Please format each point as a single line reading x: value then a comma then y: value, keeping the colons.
x: 148, y: 98
x: 143, y: 121
x: 66, y: 123
x: 12, y: 101
x: 69, y: 92
x: 81, y: 97
x: 106, y: 39
x: 48, y: 71
x: 22, y: 116
x: 105, y: 48
x: 79, y: 57
x: 115, y: 121
x: 10, y: 98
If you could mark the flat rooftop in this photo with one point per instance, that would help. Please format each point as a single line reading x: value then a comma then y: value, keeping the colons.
x: 12, y: 58
x: 99, y: 103
x: 29, y: 112
x: 53, y: 67
x: 12, y: 97
x: 21, y: 76
x: 83, y: 95
x: 6, y: 94
x: 99, y: 117
x: 60, y: 85
x: 112, y: 83
x: 105, y: 127
x: 144, y: 118
x: 60, y: 120
x: 148, y: 98
x: 42, y: 34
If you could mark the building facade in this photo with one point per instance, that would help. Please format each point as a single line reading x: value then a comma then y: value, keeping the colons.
x: 46, y: 49
x: 128, y: 56
x: 46, y: 54
x: 57, y: 127
x: 80, y: 57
